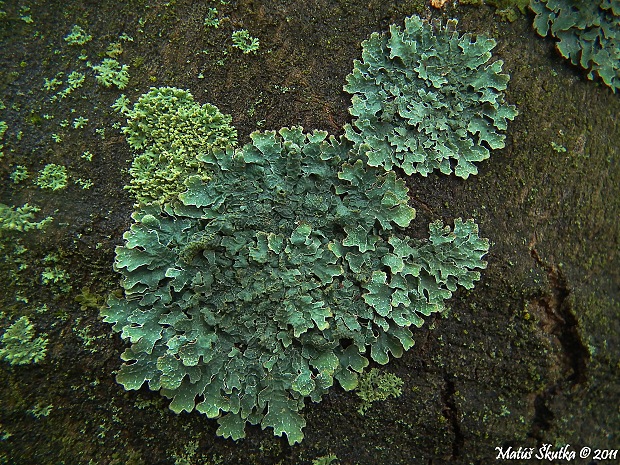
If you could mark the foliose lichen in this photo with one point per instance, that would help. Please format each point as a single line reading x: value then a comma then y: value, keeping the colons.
x: 212, y: 19
x: 77, y: 36
x: 377, y: 386
x: 275, y: 277
x: 169, y: 131
x: 425, y: 97
x: 3, y: 128
x: 330, y: 459
x: 20, y: 218
x: 272, y: 270
x: 19, y: 174
x: 110, y: 72
x: 507, y: 10
x: 588, y: 33
x: 245, y: 42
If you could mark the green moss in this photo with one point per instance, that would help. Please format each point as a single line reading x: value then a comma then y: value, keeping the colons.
x: 75, y: 80
x: 377, y: 386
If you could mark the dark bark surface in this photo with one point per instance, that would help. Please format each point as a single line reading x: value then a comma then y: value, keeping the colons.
x: 530, y: 356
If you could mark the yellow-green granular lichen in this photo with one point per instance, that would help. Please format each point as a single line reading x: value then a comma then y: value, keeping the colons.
x: 170, y: 131
x: 375, y: 385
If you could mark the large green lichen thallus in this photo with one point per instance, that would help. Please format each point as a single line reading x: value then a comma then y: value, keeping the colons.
x: 273, y: 270
x: 274, y: 278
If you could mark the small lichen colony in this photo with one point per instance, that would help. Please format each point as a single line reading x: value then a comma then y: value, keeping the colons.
x: 172, y: 131
x: 20, y: 218
x: 244, y: 41
x: 425, y: 97
x: 110, y: 72
x: 264, y: 273
x: 19, y: 346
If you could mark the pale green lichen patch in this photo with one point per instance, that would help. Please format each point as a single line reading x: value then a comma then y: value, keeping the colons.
x: 244, y: 41
x: 110, y: 72
x: 20, y: 218
x: 377, y: 386
x: 169, y: 130
x: 3, y: 128
x: 212, y: 19
x: 330, y: 459
x: 77, y: 36
x: 426, y: 98
x: 53, y: 177
x: 19, y: 174
x: 19, y: 346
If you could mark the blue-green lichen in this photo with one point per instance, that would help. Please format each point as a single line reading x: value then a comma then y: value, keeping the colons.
x: 270, y: 271
x: 588, y: 33
x: 276, y: 277
x: 426, y: 98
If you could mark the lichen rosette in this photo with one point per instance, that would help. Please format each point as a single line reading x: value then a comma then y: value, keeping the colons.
x: 427, y: 98
x: 287, y: 270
